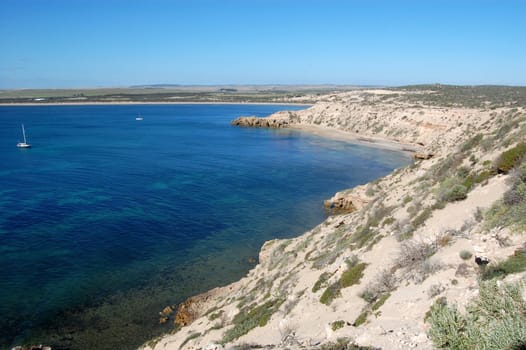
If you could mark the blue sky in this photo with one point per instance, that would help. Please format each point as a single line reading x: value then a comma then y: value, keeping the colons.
x: 92, y: 43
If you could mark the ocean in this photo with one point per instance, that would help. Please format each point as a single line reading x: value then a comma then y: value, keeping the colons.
x: 107, y: 219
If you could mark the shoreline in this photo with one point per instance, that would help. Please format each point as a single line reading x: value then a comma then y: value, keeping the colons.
x: 21, y: 104
x: 341, y: 135
x: 288, y: 268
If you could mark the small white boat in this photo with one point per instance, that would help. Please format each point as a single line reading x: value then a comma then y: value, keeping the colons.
x: 138, y: 118
x: 23, y: 144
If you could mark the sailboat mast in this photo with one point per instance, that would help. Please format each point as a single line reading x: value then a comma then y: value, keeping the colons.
x: 24, y: 132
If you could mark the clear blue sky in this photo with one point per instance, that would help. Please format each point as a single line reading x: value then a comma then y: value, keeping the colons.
x: 91, y: 43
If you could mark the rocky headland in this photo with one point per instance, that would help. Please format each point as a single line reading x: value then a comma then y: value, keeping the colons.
x: 401, y: 260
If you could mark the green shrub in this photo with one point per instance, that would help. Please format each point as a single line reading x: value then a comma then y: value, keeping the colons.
x: 247, y: 320
x: 337, y: 324
x: 361, y: 319
x: 439, y: 204
x: 442, y: 169
x: 468, y: 182
x: 495, y: 320
x: 445, y: 190
x: 462, y: 172
x: 484, y: 175
x: 514, y: 264
x: 323, y: 259
x: 422, y: 217
x: 321, y: 282
x: 472, y: 142
x: 216, y: 315
x: 456, y: 193
x: 381, y: 300
x: 511, y: 210
x: 388, y: 221
x: 344, y: 344
x: 511, y: 158
x: 331, y: 292
x: 465, y: 254
x: 363, y: 235
x: 352, y: 275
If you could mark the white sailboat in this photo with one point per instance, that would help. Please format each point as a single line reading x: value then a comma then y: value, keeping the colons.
x: 23, y: 144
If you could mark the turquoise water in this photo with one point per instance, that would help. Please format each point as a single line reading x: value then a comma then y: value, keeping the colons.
x: 107, y: 219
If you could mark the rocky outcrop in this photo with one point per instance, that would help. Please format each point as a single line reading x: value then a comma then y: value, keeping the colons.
x: 347, y: 201
x: 194, y: 307
x: 185, y: 313
x: 378, y: 115
x: 256, y: 122
x: 165, y: 314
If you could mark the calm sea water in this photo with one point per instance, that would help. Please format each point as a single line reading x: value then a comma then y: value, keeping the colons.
x: 106, y: 219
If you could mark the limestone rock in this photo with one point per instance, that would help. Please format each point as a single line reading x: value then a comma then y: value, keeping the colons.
x: 256, y: 122
x: 192, y: 308
x: 347, y: 202
x: 185, y: 313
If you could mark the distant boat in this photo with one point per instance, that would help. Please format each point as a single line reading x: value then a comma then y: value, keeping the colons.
x: 23, y: 144
x: 139, y: 117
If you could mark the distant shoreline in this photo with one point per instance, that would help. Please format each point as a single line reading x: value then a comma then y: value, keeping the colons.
x: 370, y: 141
x: 151, y: 103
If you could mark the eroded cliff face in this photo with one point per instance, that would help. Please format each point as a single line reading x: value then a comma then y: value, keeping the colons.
x: 277, y: 120
x: 390, y: 249
x: 347, y: 201
x: 373, y: 115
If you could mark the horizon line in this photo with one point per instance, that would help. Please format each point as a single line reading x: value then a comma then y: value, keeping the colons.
x: 347, y: 85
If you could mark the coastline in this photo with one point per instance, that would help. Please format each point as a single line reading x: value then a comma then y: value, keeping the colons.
x: 301, y: 272
x: 17, y: 104
x: 371, y: 141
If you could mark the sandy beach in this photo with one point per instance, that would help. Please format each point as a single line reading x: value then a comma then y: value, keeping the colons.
x: 371, y: 141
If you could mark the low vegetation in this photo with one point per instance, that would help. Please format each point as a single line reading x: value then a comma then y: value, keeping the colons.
x: 166, y: 93
x: 483, y: 96
x: 361, y: 319
x: 190, y: 337
x: 349, y: 277
x: 511, y: 158
x: 381, y: 300
x: 337, y: 325
x: 465, y: 254
x: 352, y: 275
x: 321, y: 282
x: 511, y: 210
x: 495, y: 320
x: 514, y: 264
x: 246, y: 320
x: 415, y: 259
x: 344, y: 344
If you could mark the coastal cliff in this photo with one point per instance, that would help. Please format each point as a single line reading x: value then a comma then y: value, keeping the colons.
x: 394, y: 253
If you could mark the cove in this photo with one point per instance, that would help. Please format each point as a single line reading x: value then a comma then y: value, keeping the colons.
x: 107, y: 219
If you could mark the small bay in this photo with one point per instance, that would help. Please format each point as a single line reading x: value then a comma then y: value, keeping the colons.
x: 107, y: 219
